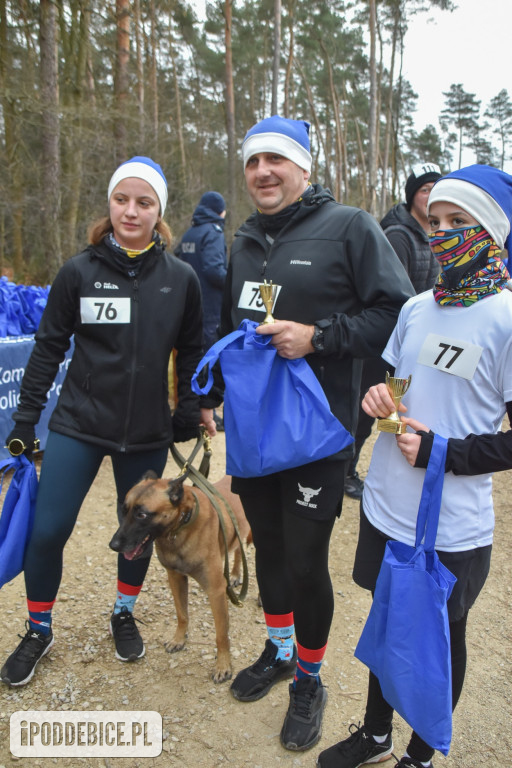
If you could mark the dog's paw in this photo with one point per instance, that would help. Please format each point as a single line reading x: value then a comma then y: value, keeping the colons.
x: 174, y: 647
x: 221, y: 675
x: 235, y: 580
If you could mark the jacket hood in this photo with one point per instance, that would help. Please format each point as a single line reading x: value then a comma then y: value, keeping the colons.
x: 203, y: 215
x: 400, y: 215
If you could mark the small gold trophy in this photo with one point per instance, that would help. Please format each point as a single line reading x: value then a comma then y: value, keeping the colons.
x: 268, y: 293
x: 397, y: 389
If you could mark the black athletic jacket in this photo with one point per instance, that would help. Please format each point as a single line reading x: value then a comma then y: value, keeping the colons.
x: 335, y: 266
x: 115, y: 392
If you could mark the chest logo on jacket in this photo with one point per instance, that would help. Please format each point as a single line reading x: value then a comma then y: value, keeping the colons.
x: 107, y: 286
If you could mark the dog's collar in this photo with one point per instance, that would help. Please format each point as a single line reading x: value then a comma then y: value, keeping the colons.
x: 187, y: 517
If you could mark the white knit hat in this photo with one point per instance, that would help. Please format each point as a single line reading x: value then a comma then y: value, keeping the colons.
x: 142, y: 168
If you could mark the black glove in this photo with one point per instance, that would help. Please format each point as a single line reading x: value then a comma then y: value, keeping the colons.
x: 22, y: 439
x: 183, y: 433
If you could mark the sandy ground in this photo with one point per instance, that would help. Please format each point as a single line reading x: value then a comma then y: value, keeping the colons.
x: 203, y: 725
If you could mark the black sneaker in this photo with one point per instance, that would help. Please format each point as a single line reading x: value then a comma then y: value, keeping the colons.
x: 359, y: 749
x: 129, y: 645
x: 354, y: 486
x: 21, y: 664
x: 302, y: 725
x: 255, y: 681
x: 410, y: 762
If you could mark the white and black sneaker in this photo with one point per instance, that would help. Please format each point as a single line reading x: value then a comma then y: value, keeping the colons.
x: 359, y: 749
x: 127, y: 639
x: 21, y: 664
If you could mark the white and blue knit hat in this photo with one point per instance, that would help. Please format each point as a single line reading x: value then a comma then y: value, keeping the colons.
x: 142, y: 168
x: 485, y: 193
x: 289, y: 138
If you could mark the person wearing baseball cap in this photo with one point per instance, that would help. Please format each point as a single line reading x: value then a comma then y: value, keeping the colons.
x: 454, y: 342
x: 340, y: 288
x: 126, y: 302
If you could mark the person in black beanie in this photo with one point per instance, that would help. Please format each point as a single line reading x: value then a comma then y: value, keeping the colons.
x: 406, y: 227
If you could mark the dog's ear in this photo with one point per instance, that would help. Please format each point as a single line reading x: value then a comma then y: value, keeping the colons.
x: 149, y: 475
x: 175, y: 490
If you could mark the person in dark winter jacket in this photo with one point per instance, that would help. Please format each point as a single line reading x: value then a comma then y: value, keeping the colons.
x: 406, y: 227
x: 341, y: 288
x: 203, y: 247
x: 127, y: 303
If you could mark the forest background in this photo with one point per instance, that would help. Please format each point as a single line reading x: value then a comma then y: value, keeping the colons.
x: 86, y: 84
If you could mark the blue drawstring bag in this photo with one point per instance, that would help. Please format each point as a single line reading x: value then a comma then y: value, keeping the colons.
x: 276, y: 414
x: 17, y: 515
x: 406, y: 639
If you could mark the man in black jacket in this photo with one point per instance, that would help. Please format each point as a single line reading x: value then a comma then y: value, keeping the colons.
x: 342, y: 287
x: 406, y: 227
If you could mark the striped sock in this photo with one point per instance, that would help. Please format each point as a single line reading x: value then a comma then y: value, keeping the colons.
x: 126, y: 596
x: 280, y: 630
x: 308, y: 662
x: 40, y: 615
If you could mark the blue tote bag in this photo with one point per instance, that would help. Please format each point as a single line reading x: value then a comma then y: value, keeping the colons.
x: 406, y: 639
x: 17, y: 515
x: 276, y: 414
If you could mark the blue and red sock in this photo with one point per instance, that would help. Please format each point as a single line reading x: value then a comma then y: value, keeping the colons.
x: 309, y: 662
x: 280, y: 630
x: 126, y: 596
x: 40, y: 615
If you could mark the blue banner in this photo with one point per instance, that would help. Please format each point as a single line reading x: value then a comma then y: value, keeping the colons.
x: 14, y: 354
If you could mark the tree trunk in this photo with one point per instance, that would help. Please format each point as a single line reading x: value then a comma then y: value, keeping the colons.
x: 372, y: 128
x: 139, y: 66
x: 316, y: 121
x: 121, y: 79
x: 277, y: 56
x: 13, y: 182
x: 289, y: 63
x: 50, y: 137
x: 230, y: 105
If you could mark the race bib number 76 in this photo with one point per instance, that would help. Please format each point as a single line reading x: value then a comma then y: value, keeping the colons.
x: 96, y: 309
x: 460, y: 358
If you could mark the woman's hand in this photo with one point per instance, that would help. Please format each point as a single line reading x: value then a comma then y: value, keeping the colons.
x: 208, y: 422
x: 409, y: 443
x: 378, y: 402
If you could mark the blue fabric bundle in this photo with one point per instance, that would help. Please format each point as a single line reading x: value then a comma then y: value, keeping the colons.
x: 21, y: 307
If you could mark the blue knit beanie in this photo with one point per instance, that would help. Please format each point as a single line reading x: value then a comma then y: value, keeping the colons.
x: 142, y: 168
x: 485, y: 193
x: 289, y: 138
x: 214, y: 201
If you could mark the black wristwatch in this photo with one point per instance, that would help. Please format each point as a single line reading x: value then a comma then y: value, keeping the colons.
x: 317, y: 340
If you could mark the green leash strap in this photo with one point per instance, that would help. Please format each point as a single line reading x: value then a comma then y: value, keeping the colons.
x: 216, y: 499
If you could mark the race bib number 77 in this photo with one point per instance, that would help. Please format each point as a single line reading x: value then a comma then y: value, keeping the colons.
x: 460, y: 358
x: 99, y: 310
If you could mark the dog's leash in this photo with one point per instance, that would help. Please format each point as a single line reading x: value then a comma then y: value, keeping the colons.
x: 199, y: 478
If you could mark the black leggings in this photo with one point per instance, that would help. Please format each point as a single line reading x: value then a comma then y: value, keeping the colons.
x: 292, y: 558
x: 67, y: 472
x: 379, y: 714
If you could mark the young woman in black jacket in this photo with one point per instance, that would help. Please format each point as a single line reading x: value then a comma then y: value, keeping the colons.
x: 127, y: 303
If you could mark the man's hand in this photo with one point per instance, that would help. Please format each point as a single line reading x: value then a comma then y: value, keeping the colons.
x: 291, y: 340
x: 378, y: 402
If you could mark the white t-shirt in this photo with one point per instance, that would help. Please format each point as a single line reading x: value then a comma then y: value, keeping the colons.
x: 460, y: 359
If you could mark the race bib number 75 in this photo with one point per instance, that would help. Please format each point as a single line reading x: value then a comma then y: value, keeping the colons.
x: 460, y: 358
x: 250, y: 297
x: 95, y: 309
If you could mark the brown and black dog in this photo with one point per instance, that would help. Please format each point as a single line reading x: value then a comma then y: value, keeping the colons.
x: 185, y: 527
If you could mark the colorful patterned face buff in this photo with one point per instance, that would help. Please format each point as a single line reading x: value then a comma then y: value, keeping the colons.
x: 470, y: 266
